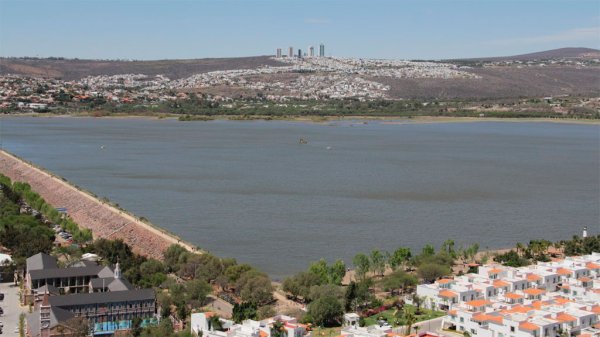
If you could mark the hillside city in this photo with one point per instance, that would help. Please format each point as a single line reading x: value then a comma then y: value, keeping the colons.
x: 305, y: 78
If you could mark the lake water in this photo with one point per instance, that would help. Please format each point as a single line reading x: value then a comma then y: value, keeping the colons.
x: 249, y: 190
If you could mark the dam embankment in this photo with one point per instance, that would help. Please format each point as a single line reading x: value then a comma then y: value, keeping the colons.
x: 104, y: 219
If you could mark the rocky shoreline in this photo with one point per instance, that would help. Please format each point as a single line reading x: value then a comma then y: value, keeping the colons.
x: 105, y: 220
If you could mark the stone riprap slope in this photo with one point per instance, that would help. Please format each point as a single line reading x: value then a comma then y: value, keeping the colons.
x: 103, y: 219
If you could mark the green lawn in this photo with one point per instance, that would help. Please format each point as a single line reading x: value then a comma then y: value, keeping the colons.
x: 397, y: 321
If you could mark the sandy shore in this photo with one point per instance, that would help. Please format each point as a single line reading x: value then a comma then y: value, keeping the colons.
x: 105, y: 220
x: 390, y: 120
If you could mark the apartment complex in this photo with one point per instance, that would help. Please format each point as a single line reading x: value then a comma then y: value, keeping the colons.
x: 100, y: 294
x: 549, y: 299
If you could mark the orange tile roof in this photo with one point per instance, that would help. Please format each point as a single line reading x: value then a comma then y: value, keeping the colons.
x: 445, y: 281
x: 209, y: 314
x: 563, y: 318
x: 513, y: 296
x: 534, y: 291
x: 561, y: 300
x: 478, y: 303
x: 565, y: 286
x: 592, y: 265
x: 452, y: 312
x: 585, y: 335
x: 528, y: 326
x: 495, y: 319
x: 537, y: 304
x: 563, y: 271
x: 447, y: 294
x: 494, y: 271
x: 585, y: 279
x: 520, y: 309
x: 487, y: 318
x: 263, y: 334
x: 500, y: 284
x: 596, y: 309
x: 533, y: 277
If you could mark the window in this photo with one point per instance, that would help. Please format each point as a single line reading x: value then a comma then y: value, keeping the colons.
x: 512, y: 329
x: 473, y: 331
x: 462, y: 319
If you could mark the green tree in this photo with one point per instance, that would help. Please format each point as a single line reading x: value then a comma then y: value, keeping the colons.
x: 254, y: 286
x: 399, y: 257
x: 136, y: 327
x: 214, y: 323
x: 337, y: 271
x: 428, y: 250
x: 399, y: 281
x: 429, y: 272
x: 244, y: 311
x: 173, y: 256
x: 377, y: 262
x: 362, y: 264
x: 326, y: 311
x: 448, y: 248
x: 197, y: 290
x: 278, y: 329
x: 409, y: 318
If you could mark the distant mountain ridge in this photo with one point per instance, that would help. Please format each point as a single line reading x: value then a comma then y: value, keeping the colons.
x: 560, y: 53
x: 75, y: 69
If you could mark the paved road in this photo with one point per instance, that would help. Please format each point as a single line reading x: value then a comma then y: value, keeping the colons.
x: 221, y: 307
x: 432, y: 325
x: 12, y: 309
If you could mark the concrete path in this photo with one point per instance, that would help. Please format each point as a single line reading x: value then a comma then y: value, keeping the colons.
x: 12, y: 309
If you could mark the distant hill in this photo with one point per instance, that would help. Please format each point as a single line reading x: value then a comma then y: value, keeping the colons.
x: 560, y: 53
x: 74, y: 69
x: 494, y: 82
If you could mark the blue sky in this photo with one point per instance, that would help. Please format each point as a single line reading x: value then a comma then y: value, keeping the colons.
x: 152, y: 29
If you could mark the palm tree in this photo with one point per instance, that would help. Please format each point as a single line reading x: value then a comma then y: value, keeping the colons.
x: 520, y: 248
x: 417, y: 301
x: 278, y: 329
x: 410, y: 319
x: 214, y: 323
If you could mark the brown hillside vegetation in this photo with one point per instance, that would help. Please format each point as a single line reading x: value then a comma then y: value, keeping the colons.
x: 499, y: 82
x: 561, y: 53
x: 74, y: 69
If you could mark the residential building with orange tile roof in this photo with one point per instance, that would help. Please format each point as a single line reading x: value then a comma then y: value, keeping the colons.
x: 532, y: 301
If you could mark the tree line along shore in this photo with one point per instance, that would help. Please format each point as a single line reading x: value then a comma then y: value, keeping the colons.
x: 381, y: 286
x: 101, y: 217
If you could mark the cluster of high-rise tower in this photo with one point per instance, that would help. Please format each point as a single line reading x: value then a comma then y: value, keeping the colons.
x: 299, y: 54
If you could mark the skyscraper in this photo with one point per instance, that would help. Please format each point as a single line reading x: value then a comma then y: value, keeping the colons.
x: 291, y: 52
x: 322, y: 50
x: 299, y: 53
x: 278, y: 53
x: 311, y: 51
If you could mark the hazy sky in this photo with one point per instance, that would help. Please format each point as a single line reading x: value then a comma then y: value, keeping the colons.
x: 151, y: 29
